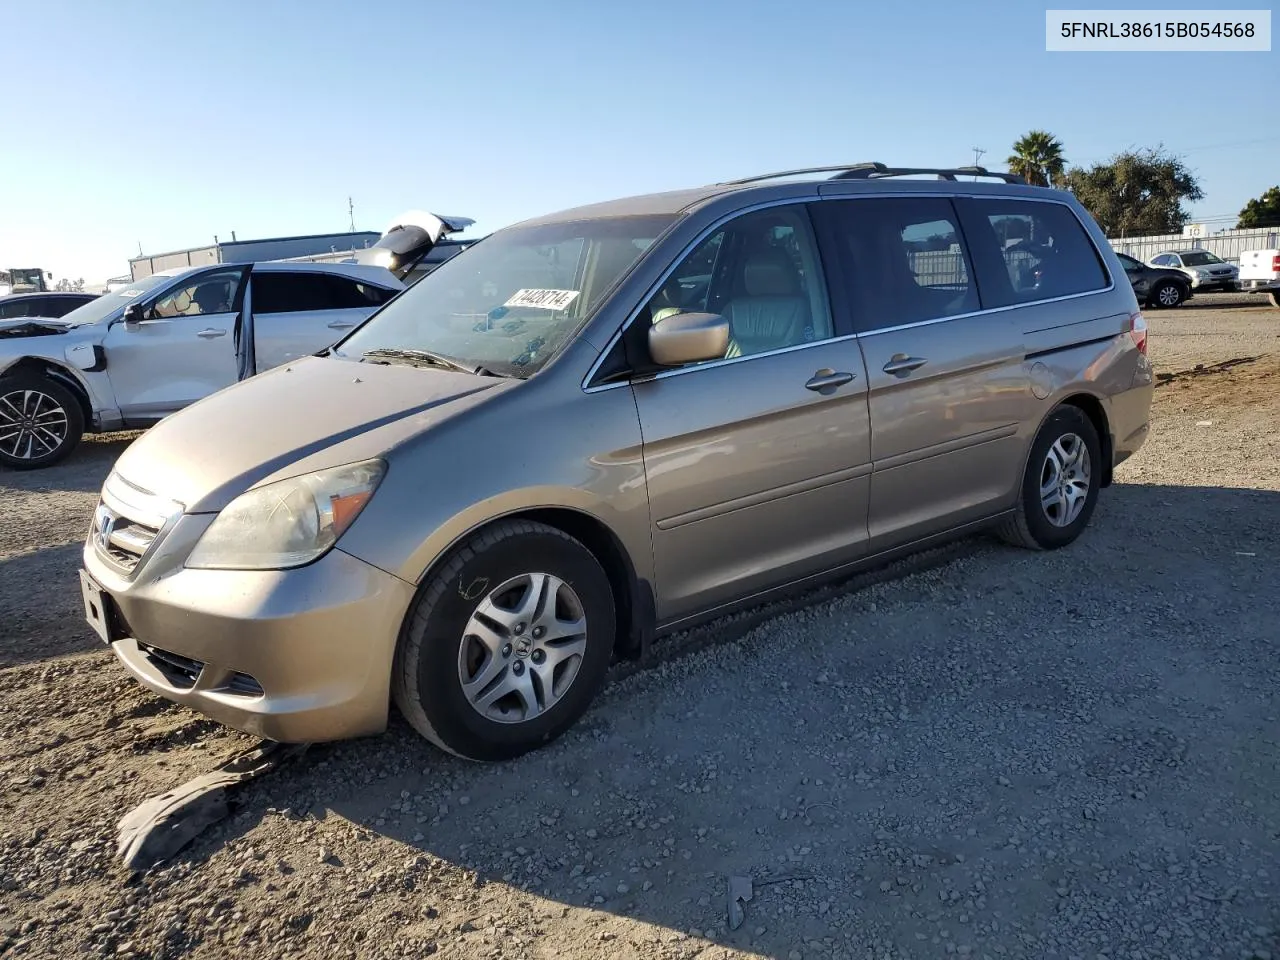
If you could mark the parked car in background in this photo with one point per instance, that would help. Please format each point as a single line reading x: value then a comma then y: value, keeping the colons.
x: 1155, y: 286
x: 1260, y: 273
x: 51, y: 305
x: 605, y: 424
x: 129, y: 358
x: 1205, y: 270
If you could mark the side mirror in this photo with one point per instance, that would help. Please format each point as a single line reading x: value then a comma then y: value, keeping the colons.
x: 133, y: 315
x: 688, y: 338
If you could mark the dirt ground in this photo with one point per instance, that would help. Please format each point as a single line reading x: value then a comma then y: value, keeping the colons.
x: 989, y: 754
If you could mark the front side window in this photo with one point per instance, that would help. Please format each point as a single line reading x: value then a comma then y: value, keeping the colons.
x: 1045, y: 249
x: 761, y: 273
x: 1130, y: 265
x: 206, y: 294
x: 15, y: 308
x: 905, y: 261
x: 512, y: 301
x: 1201, y: 258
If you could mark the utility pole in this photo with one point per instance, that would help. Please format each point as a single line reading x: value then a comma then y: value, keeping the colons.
x: 351, y: 210
x: 977, y: 156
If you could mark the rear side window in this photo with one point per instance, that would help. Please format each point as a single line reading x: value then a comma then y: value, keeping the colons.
x: 903, y: 259
x: 348, y: 293
x: 1039, y: 251
x: 292, y: 292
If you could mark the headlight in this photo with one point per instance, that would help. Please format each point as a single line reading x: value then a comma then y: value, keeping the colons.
x: 287, y: 523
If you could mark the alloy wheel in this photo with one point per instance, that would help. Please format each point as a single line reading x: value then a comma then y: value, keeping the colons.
x: 1168, y: 296
x: 1064, y: 480
x: 522, y: 648
x: 32, y: 424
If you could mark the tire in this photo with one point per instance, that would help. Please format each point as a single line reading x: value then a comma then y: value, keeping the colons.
x: 1274, y: 297
x: 441, y: 648
x: 1035, y: 526
x: 1168, y: 294
x: 33, y: 399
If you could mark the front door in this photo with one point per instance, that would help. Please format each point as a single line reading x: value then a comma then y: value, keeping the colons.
x: 757, y: 464
x: 183, y: 349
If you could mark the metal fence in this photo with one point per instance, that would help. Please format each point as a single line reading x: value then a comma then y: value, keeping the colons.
x: 1228, y: 244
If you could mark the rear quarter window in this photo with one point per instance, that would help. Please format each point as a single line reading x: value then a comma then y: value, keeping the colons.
x: 1031, y: 251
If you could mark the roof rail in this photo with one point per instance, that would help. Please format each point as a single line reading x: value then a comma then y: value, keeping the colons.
x: 875, y: 171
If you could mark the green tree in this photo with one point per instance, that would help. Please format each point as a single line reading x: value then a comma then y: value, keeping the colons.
x: 1262, y: 212
x: 1136, y: 193
x: 1037, y: 157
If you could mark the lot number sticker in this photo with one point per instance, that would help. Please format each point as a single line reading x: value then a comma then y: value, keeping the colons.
x: 542, y: 299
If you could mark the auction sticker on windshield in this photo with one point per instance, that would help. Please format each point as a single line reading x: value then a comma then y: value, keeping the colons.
x: 542, y: 299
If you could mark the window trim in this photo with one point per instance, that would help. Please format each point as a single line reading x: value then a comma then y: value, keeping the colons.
x: 589, y: 387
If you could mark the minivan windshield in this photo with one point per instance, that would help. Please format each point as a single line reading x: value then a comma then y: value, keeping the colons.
x: 507, y: 304
x: 1200, y: 258
x: 109, y: 303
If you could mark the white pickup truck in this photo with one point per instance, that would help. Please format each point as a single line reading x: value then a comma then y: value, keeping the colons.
x: 134, y: 356
x: 1260, y: 273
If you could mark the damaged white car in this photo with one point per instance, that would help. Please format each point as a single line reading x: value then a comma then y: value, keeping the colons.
x: 132, y: 357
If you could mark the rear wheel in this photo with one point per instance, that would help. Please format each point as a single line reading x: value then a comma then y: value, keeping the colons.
x: 1274, y: 297
x: 1060, y: 483
x: 41, y: 421
x: 507, y: 643
x: 1168, y: 294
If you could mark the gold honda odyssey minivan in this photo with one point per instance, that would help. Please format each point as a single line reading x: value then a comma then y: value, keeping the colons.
x: 596, y: 427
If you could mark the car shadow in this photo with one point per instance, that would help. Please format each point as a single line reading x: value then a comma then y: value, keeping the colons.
x: 1207, y: 301
x: 45, y: 617
x: 685, y: 774
x: 84, y: 469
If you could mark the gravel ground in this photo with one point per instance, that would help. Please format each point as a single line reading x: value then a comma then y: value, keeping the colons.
x: 992, y: 754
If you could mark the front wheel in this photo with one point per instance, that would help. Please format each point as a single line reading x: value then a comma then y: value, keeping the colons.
x: 1168, y: 295
x: 1060, y: 484
x: 41, y: 421
x: 507, y: 643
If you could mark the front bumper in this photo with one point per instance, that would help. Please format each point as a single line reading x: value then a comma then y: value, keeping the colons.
x: 295, y: 655
x: 1215, y: 283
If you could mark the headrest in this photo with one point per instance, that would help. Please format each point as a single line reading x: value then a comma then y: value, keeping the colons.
x: 770, y: 273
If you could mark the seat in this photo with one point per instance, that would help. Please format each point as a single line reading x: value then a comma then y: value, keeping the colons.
x: 771, y: 312
x: 212, y: 297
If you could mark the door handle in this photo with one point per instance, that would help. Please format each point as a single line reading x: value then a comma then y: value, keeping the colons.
x: 209, y: 333
x: 341, y: 324
x: 900, y: 364
x: 828, y: 379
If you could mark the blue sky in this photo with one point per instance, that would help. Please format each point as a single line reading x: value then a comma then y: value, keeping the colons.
x: 164, y: 124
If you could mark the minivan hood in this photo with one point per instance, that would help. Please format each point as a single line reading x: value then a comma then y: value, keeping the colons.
x: 212, y: 451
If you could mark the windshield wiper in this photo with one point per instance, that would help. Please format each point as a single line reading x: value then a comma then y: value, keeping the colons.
x: 427, y: 358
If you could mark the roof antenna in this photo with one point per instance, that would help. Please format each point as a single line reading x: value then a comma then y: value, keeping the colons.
x: 351, y: 209
x: 977, y: 156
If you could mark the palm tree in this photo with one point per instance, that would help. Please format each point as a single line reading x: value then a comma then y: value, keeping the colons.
x: 1037, y: 156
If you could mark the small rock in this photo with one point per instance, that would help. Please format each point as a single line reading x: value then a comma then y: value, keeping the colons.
x: 623, y: 888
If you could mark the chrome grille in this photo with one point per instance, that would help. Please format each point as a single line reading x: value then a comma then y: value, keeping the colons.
x: 121, y: 540
x: 128, y: 522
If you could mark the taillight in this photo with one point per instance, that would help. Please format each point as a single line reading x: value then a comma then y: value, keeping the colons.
x: 1275, y: 263
x: 1138, y: 332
